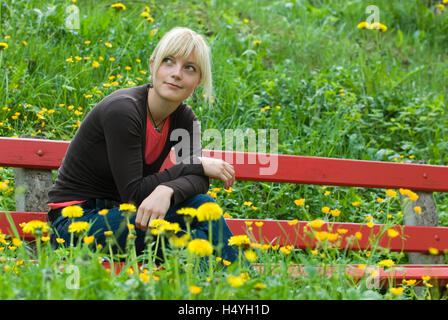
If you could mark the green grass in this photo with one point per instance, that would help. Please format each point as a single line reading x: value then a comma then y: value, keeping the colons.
x: 342, y: 92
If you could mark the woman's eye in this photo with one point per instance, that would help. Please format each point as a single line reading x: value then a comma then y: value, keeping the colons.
x: 191, y: 68
x: 167, y: 60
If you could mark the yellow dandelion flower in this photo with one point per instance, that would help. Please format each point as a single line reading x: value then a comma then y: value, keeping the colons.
x: 409, y: 282
x: 226, y: 262
x: 212, y: 194
x: 250, y: 255
x: 235, y: 281
x: 248, y: 203
x: 72, y: 212
x: 317, y: 223
x: 426, y: 278
x: 386, y: 263
x: 356, y: 203
x: 200, y: 247
x: 78, y: 226
x: 362, y: 25
x: 33, y: 225
x: 239, y: 240
x: 3, y: 46
x: 144, y: 276
x: 16, y: 242
x: 418, y: 209
x: 391, y: 193
x: 180, y: 242
x: 195, y: 289
x: 392, y: 233
x: 103, y: 212
x: 153, y: 32
x: 118, y: 6
x: 380, y: 200
x: 412, y: 195
x: 293, y: 222
x: 332, y: 236
x: 44, y: 238
x: 259, y: 224
x: 342, y: 231
x: 187, y: 211
x: 396, y: 291
x: 325, y: 209
x: 370, y: 224
x: 209, y: 211
x: 128, y: 207
x: 433, y: 251
x: 108, y: 233
x: 88, y: 239
x: 259, y: 286
x: 358, y: 235
x: 321, y: 235
x: 299, y: 202
x: 60, y: 240
x: 335, y: 212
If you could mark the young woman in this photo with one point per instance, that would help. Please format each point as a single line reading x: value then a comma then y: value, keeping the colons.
x: 117, y: 152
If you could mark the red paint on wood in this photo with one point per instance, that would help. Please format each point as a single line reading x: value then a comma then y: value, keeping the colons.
x: 48, y: 154
x: 416, y: 238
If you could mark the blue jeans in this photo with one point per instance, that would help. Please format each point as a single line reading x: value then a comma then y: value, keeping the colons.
x: 117, y: 223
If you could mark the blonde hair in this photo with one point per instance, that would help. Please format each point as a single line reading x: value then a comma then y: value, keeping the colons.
x: 181, y: 42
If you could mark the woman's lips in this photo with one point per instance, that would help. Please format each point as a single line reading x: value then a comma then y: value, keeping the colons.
x: 172, y: 85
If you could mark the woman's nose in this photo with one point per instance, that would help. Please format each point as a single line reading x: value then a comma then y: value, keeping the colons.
x: 177, y: 71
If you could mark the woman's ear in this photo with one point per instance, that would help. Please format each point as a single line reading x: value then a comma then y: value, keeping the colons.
x: 151, y: 63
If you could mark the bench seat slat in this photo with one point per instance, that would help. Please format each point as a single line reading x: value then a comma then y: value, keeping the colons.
x: 391, y: 276
x: 417, y: 238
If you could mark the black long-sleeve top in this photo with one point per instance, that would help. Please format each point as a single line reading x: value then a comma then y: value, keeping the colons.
x: 106, y: 157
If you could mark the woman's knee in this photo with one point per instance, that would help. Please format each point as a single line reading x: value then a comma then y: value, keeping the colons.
x: 202, y: 198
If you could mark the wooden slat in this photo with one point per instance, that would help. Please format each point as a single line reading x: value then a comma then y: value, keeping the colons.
x: 393, y: 276
x: 383, y: 277
x: 416, y: 238
x: 47, y: 154
x: 338, y: 172
x: 32, y: 153
x: 411, y: 238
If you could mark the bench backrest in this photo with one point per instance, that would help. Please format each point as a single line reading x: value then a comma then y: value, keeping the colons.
x: 48, y: 154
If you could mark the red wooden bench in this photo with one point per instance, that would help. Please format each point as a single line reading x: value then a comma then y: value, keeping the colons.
x: 48, y: 155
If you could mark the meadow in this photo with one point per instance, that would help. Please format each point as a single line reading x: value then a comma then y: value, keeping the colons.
x: 309, y: 69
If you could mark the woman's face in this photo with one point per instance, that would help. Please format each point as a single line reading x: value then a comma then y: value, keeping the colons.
x: 177, y: 77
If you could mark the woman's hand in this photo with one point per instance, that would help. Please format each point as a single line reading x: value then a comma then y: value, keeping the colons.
x: 219, y: 169
x: 155, y: 206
